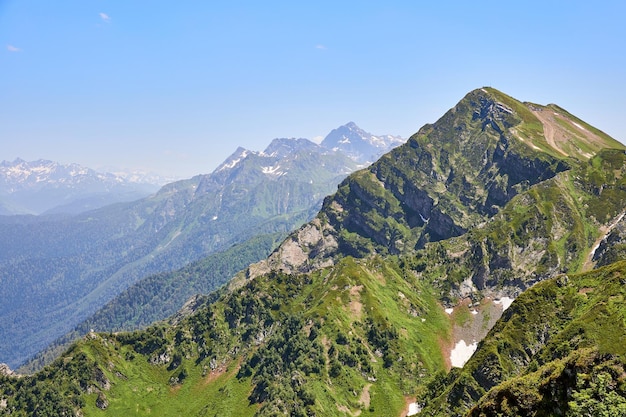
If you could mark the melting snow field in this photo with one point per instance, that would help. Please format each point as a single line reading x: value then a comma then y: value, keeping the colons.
x: 505, y: 302
x: 461, y: 353
x: 414, y: 408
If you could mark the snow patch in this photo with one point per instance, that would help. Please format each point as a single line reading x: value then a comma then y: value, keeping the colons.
x: 461, y: 353
x: 414, y: 408
x: 505, y: 302
x: 376, y: 141
x: 234, y: 162
x: 578, y: 126
x: 595, y: 248
x: 273, y: 171
x: 504, y: 108
x: 606, y: 234
x: 449, y: 310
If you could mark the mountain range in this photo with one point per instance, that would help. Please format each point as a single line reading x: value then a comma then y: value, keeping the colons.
x: 475, y: 270
x: 70, y: 266
x: 47, y: 187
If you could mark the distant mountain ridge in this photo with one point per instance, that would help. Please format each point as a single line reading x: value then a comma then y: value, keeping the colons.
x: 36, y: 187
x: 44, y: 186
x: 349, y: 139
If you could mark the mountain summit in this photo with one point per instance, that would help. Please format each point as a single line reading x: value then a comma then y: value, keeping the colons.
x: 361, y: 146
x: 449, y: 177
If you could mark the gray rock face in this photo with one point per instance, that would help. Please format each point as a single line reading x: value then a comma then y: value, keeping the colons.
x: 5, y: 370
x: 310, y: 248
x: 101, y: 402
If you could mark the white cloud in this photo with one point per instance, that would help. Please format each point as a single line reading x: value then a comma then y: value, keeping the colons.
x: 12, y: 48
x: 105, y: 17
x: 320, y: 47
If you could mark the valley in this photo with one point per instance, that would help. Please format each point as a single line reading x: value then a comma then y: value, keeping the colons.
x: 70, y: 266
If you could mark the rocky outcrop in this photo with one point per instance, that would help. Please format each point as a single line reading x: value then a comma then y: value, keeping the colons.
x: 101, y: 379
x: 612, y: 245
x: 311, y: 247
x: 5, y: 370
x: 101, y: 402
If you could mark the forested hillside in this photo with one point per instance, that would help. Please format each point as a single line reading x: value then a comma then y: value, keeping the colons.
x: 69, y: 267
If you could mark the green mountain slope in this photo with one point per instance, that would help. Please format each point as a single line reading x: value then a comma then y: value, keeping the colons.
x: 287, y: 343
x: 448, y: 178
x: 551, y: 345
x: 550, y: 229
x: 359, y: 311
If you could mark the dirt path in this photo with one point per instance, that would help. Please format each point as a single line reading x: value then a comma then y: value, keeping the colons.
x: 548, y: 129
x: 364, y: 400
x: 355, y: 301
x: 566, y: 136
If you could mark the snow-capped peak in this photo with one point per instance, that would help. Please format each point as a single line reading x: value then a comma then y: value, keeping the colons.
x: 360, y: 145
x: 239, y: 155
x: 37, y: 186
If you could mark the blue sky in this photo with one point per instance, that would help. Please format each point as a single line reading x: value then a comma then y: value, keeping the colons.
x: 175, y: 87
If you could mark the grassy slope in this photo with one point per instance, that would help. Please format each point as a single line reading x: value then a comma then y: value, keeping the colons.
x: 381, y: 328
x: 575, y: 327
x: 576, y: 138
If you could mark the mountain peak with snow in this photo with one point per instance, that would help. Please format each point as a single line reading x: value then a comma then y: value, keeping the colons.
x: 363, y: 147
x: 35, y: 187
x: 236, y: 157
